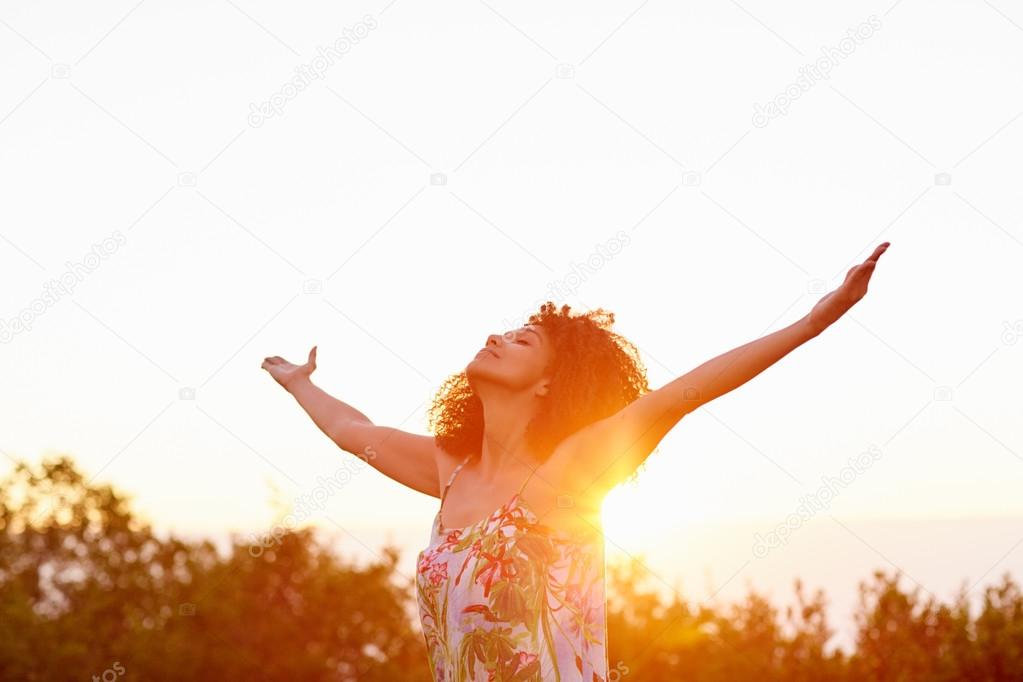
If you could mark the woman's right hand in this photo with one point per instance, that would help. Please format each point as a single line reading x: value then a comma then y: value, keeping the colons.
x: 285, y: 372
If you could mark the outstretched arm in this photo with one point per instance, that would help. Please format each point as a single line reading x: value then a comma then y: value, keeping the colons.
x: 608, y: 451
x: 408, y: 458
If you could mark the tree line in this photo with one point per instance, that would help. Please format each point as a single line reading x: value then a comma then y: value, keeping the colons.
x: 89, y: 592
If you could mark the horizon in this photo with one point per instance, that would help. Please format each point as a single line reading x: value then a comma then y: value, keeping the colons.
x: 670, y: 573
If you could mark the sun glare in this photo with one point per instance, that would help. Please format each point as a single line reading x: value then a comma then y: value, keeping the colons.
x: 630, y: 518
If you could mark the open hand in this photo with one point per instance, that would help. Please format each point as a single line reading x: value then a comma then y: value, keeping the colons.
x: 838, y: 302
x: 285, y: 372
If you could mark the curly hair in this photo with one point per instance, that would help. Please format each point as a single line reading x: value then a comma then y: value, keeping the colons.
x: 594, y: 373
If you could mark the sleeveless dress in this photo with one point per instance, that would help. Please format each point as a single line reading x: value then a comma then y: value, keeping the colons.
x: 508, y: 599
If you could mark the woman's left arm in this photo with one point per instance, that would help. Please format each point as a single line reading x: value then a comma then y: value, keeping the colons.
x: 612, y: 448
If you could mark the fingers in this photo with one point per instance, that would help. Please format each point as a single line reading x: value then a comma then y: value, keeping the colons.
x: 272, y: 360
x: 870, y: 262
x: 877, y: 252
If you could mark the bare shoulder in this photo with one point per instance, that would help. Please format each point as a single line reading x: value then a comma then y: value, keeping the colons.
x: 573, y: 478
x: 595, y: 459
x: 599, y: 456
x: 446, y: 464
x: 560, y: 496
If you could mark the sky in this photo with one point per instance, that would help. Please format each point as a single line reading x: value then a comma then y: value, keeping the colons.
x: 191, y: 187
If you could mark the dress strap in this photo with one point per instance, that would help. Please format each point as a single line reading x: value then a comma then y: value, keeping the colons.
x: 451, y: 479
x: 523, y: 486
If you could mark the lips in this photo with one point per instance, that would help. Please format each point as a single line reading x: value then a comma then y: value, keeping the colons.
x: 486, y: 350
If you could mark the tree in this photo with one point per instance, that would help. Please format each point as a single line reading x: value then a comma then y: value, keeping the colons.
x: 84, y: 586
x: 87, y: 591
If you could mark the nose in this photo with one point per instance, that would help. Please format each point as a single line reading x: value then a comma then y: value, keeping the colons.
x: 493, y: 338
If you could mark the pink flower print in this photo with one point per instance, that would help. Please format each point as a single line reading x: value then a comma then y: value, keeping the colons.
x: 495, y: 568
x: 525, y: 658
x: 585, y: 618
x: 473, y: 551
x: 575, y: 622
x: 438, y: 573
x: 424, y: 562
x: 574, y: 597
x: 450, y: 540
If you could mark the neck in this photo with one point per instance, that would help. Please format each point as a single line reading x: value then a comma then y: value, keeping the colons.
x: 505, y: 417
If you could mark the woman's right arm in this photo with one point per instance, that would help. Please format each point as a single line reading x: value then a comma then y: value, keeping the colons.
x: 408, y: 458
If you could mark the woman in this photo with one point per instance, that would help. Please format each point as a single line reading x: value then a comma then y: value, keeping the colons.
x: 528, y: 439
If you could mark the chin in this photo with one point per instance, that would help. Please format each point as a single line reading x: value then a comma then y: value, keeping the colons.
x: 475, y: 368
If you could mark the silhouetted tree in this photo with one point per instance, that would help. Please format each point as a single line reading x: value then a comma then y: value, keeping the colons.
x: 84, y: 586
x: 87, y: 590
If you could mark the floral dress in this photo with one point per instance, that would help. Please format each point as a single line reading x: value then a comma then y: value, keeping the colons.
x: 510, y: 600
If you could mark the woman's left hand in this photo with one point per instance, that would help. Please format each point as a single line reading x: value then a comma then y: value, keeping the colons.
x: 838, y: 302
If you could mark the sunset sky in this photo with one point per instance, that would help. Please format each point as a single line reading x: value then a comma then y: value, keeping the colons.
x: 448, y: 173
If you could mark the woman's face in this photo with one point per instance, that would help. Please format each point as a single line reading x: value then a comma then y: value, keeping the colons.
x: 516, y: 359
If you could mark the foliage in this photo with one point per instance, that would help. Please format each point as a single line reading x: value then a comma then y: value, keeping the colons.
x: 89, y: 592
x: 84, y: 585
